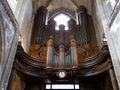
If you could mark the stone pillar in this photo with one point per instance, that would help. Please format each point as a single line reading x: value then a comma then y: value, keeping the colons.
x: 49, y: 53
x: 73, y: 51
x: 113, y: 79
x: 61, y: 47
x: 41, y: 18
x: 82, y: 19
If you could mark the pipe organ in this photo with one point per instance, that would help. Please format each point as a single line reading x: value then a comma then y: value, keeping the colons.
x: 62, y: 48
x: 61, y: 59
x: 63, y: 56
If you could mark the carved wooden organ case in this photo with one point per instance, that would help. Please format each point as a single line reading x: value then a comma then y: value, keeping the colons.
x: 63, y: 53
x: 62, y: 48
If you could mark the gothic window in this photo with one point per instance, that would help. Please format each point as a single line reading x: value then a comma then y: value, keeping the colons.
x: 62, y: 19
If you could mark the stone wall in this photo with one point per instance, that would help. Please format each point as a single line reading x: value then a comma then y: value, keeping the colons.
x: 10, y: 28
x: 9, y: 32
x: 98, y: 26
x: 26, y: 24
x: 108, y: 19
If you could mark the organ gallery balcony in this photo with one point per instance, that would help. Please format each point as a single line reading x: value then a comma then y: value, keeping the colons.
x: 27, y: 66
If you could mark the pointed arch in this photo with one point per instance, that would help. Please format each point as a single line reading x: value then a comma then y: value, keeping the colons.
x: 59, y: 20
x: 62, y: 10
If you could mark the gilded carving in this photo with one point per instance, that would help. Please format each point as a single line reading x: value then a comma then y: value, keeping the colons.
x: 38, y: 51
x: 86, y: 51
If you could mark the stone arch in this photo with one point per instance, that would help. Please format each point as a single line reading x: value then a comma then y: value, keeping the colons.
x: 62, y: 10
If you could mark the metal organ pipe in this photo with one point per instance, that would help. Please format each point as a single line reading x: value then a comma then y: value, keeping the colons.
x: 41, y: 13
x: 63, y: 58
x: 61, y: 47
x: 52, y: 24
x: 51, y: 32
x: 73, y: 51
x: 49, y: 53
x: 82, y: 18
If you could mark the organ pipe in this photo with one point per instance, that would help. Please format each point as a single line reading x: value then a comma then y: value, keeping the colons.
x: 41, y: 14
x: 61, y: 47
x: 82, y: 19
x: 49, y: 53
x: 73, y: 51
x: 52, y: 25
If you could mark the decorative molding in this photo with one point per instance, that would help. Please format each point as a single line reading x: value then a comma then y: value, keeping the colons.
x: 114, y: 14
x: 10, y: 14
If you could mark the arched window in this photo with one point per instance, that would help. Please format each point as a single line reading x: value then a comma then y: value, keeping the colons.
x: 61, y: 19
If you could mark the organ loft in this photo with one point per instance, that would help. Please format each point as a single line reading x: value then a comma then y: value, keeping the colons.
x: 59, y: 45
x: 62, y: 50
x: 63, y: 56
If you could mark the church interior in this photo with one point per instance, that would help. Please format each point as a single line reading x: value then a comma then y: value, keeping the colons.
x: 59, y: 45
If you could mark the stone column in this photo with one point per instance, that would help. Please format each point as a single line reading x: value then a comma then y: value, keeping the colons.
x: 73, y: 51
x: 82, y: 19
x: 49, y: 53
x: 113, y: 79
x: 41, y: 18
x: 61, y: 47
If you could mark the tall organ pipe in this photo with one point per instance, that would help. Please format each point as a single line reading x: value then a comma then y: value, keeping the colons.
x: 52, y: 25
x: 82, y: 18
x: 71, y: 26
x: 61, y: 47
x: 49, y: 53
x: 75, y: 31
x: 73, y: 51
x: 41, y: 14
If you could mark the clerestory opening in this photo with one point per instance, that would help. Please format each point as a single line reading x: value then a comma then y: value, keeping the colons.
x: 61, y: 19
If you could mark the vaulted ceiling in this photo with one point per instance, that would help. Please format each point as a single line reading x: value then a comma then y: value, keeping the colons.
x: 68, y: 6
